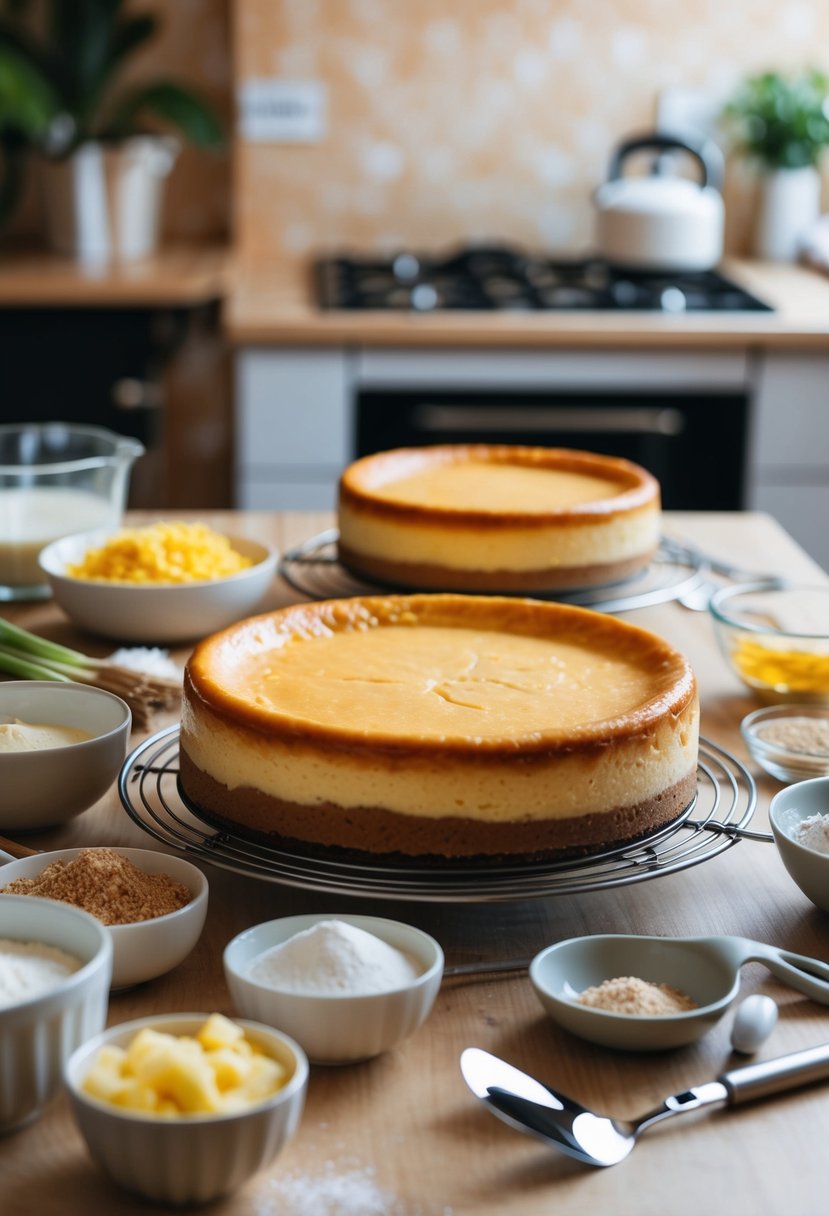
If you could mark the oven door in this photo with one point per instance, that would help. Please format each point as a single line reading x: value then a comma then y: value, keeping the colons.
x: 691, y: 437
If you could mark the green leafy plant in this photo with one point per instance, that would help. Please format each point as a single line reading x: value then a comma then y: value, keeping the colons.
x: 781, y: 121
x: 60, y: 64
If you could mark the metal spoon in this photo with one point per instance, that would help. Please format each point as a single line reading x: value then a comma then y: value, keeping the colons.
x: 536, y: 1109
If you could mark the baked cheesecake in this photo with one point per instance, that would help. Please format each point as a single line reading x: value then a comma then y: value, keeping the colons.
x: 439, y: 725
x: 496, y: 518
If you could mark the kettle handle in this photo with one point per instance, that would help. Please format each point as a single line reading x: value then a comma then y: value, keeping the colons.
x: 705, y: 153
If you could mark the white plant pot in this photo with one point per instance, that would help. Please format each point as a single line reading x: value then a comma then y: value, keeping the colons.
x: 103, y: 203
x: 789, y: 205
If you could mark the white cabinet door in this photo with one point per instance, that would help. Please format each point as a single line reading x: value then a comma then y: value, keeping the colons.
x: 789, y: 446
x: 294, y: 427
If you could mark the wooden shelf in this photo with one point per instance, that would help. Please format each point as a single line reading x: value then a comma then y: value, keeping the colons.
x: 178, y: 276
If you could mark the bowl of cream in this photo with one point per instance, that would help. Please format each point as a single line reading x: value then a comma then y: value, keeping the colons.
x: 345, y: 987
x: 61, y: 748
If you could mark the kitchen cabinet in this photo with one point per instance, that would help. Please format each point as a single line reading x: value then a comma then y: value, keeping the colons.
x: 133, y: 346
x: 789, y: 446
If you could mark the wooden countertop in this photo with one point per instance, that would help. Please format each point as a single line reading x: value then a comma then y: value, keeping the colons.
x: 178, y: 276
x: 272, y: 305
x: 407, y: 1116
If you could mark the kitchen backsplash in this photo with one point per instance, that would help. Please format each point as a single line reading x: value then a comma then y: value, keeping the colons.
x: 483, y: 119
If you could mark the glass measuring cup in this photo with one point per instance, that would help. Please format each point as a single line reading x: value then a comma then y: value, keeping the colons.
x: 55, y: 478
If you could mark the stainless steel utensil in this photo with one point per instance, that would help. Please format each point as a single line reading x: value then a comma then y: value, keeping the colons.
x: 531, y: 1107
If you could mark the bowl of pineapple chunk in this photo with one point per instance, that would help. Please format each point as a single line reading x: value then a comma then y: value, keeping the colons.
x: 184, y: 1108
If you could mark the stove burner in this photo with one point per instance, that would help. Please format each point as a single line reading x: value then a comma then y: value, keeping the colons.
x: 501, y: 279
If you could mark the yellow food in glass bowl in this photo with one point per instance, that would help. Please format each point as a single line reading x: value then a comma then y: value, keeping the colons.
x: 164, y: 552
x: 781, y: 668
x: 216, y: 1072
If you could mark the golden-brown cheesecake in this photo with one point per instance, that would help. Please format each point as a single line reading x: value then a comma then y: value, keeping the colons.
x: 496, y: 518
x: 446, y: 725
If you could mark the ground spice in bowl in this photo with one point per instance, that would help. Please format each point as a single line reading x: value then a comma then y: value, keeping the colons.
x: 107, y: 885
x: 627, y: 994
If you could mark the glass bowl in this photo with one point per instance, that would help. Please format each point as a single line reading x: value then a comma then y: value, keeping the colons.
x: 775, y: 636
x: 791, y: 742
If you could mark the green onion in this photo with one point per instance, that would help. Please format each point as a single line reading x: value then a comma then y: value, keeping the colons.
x: 29, y: 657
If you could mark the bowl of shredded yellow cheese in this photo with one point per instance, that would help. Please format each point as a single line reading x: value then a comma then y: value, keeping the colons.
x: 169, y: 581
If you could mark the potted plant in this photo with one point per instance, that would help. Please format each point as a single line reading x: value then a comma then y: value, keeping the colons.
x: 782, y: 124
x: 102, y: 146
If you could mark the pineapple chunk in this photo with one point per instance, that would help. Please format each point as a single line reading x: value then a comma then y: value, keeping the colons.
x: 170, y: 1075
x: 219, y: 1031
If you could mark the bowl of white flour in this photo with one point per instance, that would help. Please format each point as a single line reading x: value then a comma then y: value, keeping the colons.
x: 345, y: 987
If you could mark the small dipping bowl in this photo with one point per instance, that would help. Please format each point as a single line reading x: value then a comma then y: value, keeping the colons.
x: 148, y: 948
x: 43, y: 788
x: 791, y: 742
x: 562, y: 971
x: 192, y: 1158
x: 155, y: 612
x: 808, y: 867
x: 338, y: 1029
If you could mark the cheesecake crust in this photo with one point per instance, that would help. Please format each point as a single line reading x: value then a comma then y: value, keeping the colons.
x: 444, y: 578
x: 378, y: 831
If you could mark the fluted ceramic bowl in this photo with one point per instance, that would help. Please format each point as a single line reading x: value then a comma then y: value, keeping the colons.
x: 190, y: 1158
x: 38, y: 1034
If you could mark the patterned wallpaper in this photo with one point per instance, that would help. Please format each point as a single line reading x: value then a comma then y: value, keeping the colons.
x: 483, y: 119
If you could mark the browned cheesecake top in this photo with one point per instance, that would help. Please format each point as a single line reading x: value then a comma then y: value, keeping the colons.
x: 441, y: 672
x: 497, y: 485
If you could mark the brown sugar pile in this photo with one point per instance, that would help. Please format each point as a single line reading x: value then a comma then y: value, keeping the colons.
x: 107, y: 885
x: 626, y: 994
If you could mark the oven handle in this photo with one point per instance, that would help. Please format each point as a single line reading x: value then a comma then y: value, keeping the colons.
x: 640, y: 420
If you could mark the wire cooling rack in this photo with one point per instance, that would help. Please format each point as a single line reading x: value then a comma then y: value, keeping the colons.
x: 313, y: 569
x: 716, y: 820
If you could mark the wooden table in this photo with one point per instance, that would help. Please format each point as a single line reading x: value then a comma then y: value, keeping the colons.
x: 405, y: 1123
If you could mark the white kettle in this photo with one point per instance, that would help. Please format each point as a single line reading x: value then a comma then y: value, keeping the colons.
x: 663, y: 221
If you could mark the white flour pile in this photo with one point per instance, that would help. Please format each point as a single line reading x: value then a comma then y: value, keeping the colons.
x: 333, y: 958
x: 813, y: 833
x: 28, y: 969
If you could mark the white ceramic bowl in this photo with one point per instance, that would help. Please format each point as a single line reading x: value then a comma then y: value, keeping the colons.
x: 195, y: 1158
x: 336, y: 1029
x: 562, y: 971
x: 158, y: 612
x: 148, y: 948
x: 44, y: 788
x: 808, y: 867
x: 38, y: 1035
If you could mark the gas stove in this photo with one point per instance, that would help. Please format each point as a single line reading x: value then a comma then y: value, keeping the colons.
x: 508, y: 280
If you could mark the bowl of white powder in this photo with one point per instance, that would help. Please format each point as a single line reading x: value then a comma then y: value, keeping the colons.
x: 55, y: 967
x: 799, y: 817
x: 345, y: 987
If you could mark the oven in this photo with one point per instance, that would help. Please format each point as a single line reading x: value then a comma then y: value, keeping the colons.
x: 683, y: 419
x: 682, y: 416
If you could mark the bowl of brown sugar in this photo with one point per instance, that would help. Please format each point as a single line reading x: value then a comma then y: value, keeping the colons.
x: 153, y: 904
